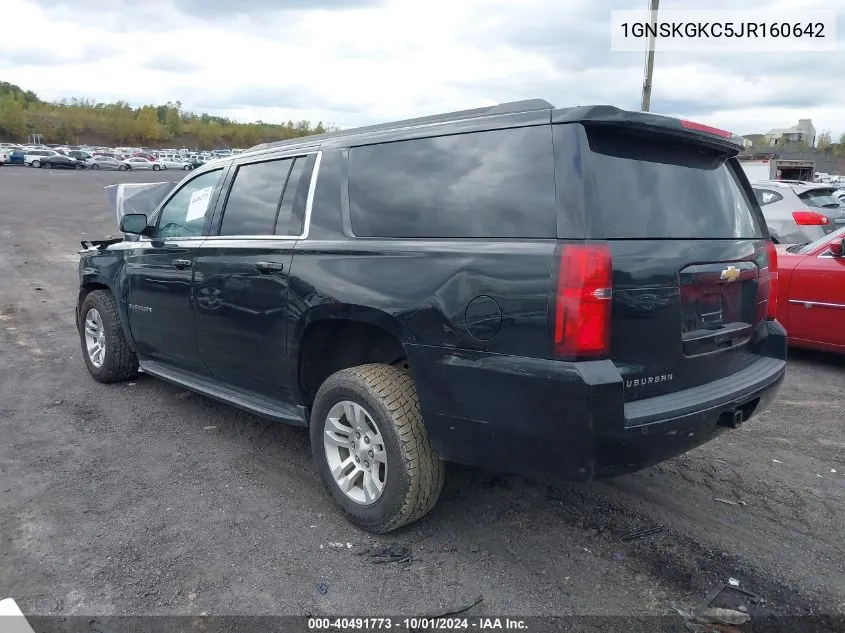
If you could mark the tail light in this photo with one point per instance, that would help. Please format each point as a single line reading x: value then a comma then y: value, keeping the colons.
x: 810, y: 218
x: 767, y: 283
x: 583, y: 300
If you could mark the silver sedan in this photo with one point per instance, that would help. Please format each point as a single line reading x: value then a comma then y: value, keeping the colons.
x: 173, y: 163
x: 102, y: 162
x: 137, y: 162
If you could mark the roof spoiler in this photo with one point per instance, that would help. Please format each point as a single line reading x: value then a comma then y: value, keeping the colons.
x: 610, y: 116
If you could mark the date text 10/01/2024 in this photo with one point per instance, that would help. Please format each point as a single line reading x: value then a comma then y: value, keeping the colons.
x: 417, y: 624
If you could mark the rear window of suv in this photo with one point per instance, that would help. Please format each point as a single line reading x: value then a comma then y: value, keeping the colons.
x: 647, y: 189
x: 820, y: 199
x: 492, y: 184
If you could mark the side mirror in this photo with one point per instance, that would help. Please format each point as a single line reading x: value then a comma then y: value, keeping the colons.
x: 837, y: 247
x: 134, y: 223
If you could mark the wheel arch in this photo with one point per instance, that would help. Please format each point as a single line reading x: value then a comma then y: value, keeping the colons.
x: 331, y: 337
x: 92, y: 282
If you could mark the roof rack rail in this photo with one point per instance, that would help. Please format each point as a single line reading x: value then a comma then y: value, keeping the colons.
x: 526, y: 105
x: 510, y: 107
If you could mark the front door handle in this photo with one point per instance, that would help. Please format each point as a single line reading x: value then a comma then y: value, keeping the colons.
x: 269, y: 267
x: 181, y: 264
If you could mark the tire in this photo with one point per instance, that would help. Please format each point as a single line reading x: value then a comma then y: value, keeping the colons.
x: 95, y: 166
x: 123, y: 167
x: 156, y: 167
x: 414, y: 473
x: 35, y: 163
x: 77, y: 166
x: 187, y: 167
x: 119, y: 362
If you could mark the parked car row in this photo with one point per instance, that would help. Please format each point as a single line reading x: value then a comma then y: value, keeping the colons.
x: 35, y: 155
x: 52, y: 159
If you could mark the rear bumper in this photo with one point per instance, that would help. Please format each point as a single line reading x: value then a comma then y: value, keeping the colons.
x: 569, y: 420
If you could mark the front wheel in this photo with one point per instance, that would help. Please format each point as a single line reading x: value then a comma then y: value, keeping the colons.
x: 187, y: 167
x: 156, y: 167
x: 95, y: 166
x: 123, y: 167
x: 36, y: 163
x: 104, y: 348
x: 371, y: 447
x: 77, y: 166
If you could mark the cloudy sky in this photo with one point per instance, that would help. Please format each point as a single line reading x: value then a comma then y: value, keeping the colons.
x: 351, y: 62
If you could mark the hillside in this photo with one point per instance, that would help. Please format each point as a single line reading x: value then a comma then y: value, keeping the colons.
x: 78, y: 121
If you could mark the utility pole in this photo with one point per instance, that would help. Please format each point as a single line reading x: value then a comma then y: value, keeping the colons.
x: 649, y: 60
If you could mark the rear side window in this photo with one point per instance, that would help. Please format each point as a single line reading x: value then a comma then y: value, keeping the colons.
x: 647, y: 189
x: 292, y: 209
x: 766, y: 196
x: 254, y: 198
x: 495, y: 184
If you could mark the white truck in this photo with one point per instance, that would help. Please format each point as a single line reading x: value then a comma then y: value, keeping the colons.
x: 779, y: 169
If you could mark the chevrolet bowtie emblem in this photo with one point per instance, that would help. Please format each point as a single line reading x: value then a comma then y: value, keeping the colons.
x: 731, y: 273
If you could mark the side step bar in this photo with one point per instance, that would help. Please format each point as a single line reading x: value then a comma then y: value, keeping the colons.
x: 246, y: 400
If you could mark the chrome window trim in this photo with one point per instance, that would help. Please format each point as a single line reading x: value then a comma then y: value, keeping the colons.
x: 309, y: 201
x: 306, y: 223
x: 237, y: 238
x: 810, y: 304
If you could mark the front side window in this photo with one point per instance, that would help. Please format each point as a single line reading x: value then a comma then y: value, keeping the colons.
x: 184, y: 215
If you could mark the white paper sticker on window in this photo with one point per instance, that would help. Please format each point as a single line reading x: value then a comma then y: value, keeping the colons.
x: 199, y: 203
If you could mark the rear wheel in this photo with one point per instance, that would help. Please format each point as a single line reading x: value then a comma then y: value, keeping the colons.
x: 36, y: 163
x: 186, y: 167
x: 77, y: 166
x: 371, y: 448
x: 95, y: 166
x: 123, y: 167
x: 104, y: 348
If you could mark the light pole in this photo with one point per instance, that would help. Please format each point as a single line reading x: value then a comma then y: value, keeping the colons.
x: 649, y: 60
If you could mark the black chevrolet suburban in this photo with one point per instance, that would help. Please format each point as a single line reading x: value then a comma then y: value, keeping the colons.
x: 576, y: 292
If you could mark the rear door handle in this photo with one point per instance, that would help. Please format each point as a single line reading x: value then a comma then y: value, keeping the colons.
x: 181, y: 264
x: 269, y: 267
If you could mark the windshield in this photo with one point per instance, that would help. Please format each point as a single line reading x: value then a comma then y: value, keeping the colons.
x: 811, y: 246
x: 820, y: 198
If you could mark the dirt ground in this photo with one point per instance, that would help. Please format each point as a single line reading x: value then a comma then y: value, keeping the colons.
x: 142, y: 498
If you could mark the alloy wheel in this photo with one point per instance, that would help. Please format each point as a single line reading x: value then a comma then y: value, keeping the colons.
x: 95, y: 338
x: 355, y: 452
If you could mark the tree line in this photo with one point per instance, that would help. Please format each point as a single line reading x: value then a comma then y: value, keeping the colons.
x: 77, y: 121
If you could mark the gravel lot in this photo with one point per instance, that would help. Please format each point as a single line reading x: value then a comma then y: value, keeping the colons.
x: 142, y: 498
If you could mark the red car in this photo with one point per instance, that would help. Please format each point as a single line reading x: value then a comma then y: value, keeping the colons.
x: 811, y: 292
